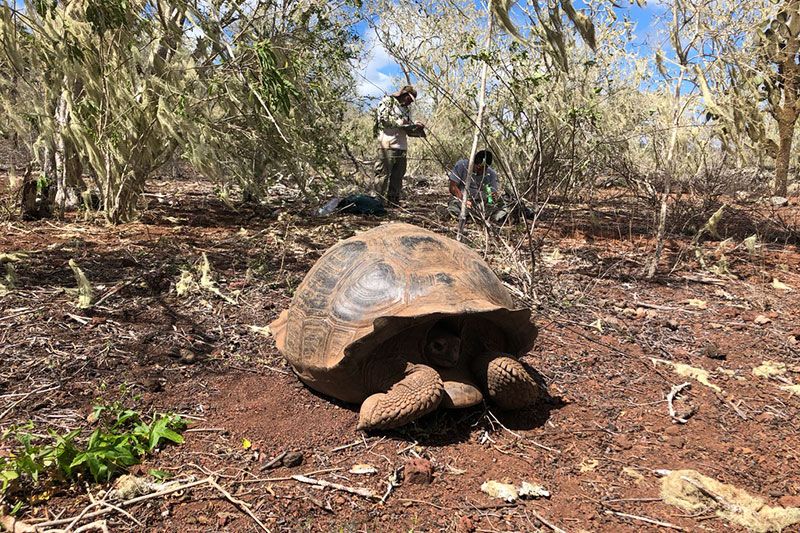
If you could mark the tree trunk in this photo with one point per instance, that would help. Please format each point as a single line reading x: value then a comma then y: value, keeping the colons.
x: 478, y: 125
x: 28, y: 197
x: 785, y: 134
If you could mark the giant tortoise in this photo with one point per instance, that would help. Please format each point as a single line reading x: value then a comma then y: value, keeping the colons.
x: 405, y: 320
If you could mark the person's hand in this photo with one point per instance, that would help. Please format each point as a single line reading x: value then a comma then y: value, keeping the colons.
x: 469, y: 204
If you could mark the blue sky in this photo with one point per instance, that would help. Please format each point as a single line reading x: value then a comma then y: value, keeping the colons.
x: 379, y: 74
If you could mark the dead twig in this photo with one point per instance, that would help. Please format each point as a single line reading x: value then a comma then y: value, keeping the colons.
x: 645, y: 519
x: 272, y: 462
x: 546, y: 522
x: 97, y: 524
x: 391, y: 483
x: 735, y: 509
x: 40, y: 390
x: 126, y: 503
x: 345, y: 446
x: 521, y: 437
x: 366, y: 493
x: 244, y: 507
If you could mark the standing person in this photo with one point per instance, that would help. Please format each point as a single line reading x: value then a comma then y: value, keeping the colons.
x: 484, y: 191
x: 394, y: 124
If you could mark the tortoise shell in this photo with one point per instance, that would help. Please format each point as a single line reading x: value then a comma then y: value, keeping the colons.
x: 380, y: 283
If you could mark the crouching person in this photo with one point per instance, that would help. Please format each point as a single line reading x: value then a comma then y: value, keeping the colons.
x: 485, y: 200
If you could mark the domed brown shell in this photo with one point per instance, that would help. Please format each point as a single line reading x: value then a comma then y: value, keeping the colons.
x: 368, y: 288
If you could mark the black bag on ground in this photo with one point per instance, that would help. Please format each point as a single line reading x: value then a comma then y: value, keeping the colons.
x: 361, y: 204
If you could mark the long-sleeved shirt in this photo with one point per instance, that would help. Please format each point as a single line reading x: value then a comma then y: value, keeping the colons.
x: 390, y: 116
x: 478, y: 182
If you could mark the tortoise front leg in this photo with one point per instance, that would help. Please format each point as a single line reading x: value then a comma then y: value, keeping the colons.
x: 415, y: 395
x: 507, y: 382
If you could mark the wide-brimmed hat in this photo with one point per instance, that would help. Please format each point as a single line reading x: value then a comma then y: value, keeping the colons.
x: 407, y: 89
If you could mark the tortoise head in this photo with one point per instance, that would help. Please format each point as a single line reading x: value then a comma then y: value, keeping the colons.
x: 442, y: 346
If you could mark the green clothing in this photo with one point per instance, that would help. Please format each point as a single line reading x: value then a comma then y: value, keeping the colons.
x: 391, y: 166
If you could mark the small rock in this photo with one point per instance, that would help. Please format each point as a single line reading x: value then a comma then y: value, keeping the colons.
x: 363, y: 469
x: 711, y: 350
x: 673, y: 430
x: 292, y: 459
x: 465, y: 525
x: 152, y: 384
x: 672, y: 324
x: 629, y: 312
x: 418, y: 471
x: 789, y: 501
x: 779, y: 201
x: 761, y: 320
x: 187, y: 356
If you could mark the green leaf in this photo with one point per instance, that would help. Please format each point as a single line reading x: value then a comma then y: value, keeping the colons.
x: 159, y: 475
x: 160, y: 430
x: 6, y: 477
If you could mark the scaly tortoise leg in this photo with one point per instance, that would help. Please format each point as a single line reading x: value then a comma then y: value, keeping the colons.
x: 417, y: 394
x: 507, y: 382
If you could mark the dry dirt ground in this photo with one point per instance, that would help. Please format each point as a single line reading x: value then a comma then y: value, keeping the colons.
x: 607, y: 348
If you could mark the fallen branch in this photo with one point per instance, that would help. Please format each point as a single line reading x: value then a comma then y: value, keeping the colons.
x: 671, y: 398
x: 126, y: 503
x: 366, y: 493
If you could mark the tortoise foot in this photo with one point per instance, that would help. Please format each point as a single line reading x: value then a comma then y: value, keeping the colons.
x: 417, y: 394
x: 508, y: 383
x: 460, y: 389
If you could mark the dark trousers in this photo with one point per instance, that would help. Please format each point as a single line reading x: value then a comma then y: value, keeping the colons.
x: 391, y: 167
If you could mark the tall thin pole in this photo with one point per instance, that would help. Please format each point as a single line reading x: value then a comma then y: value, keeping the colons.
x: 478, y: 126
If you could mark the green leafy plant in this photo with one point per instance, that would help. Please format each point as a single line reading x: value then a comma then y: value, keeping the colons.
x: 122, y: 439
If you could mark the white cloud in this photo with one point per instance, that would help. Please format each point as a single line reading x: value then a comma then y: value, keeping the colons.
x: 377, y: 73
